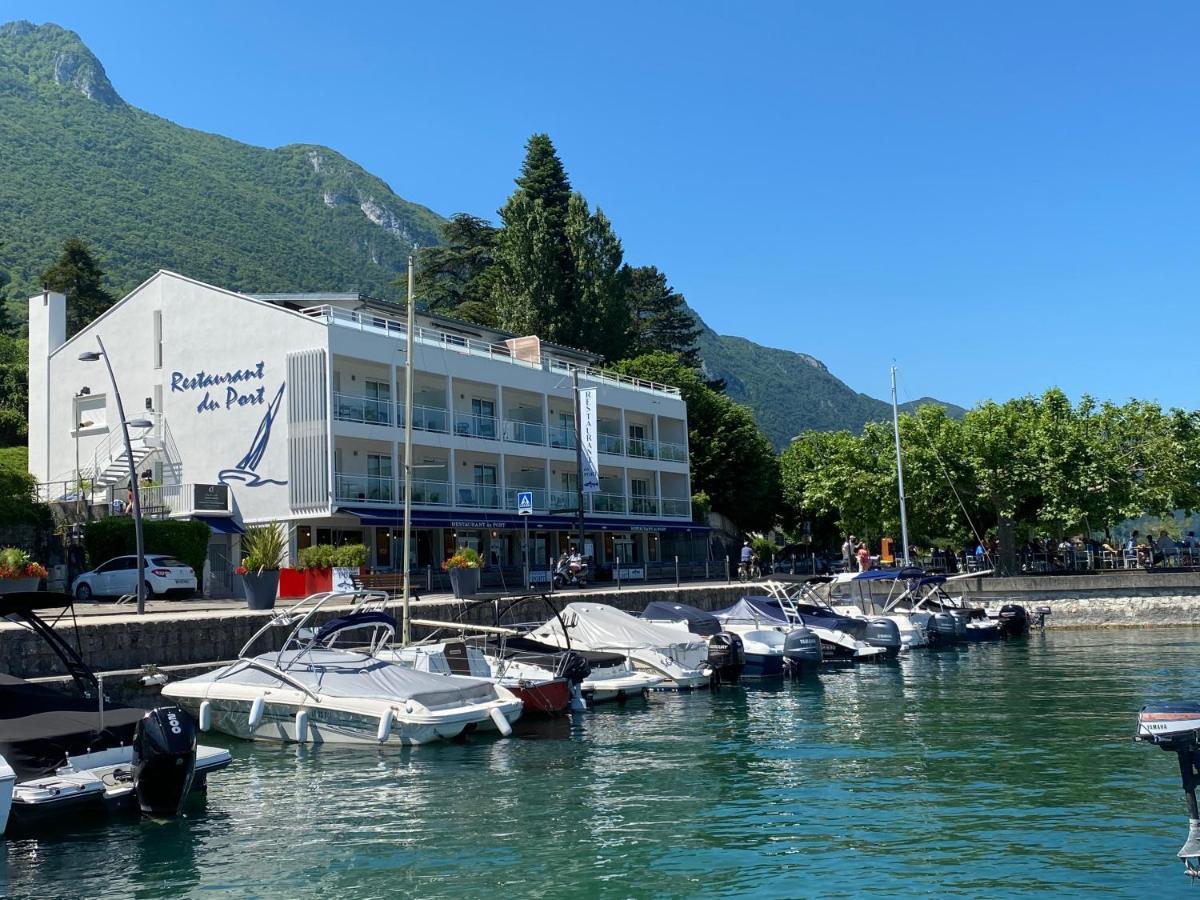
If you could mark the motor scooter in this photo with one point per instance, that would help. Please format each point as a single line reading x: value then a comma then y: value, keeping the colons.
x: 565, y: 577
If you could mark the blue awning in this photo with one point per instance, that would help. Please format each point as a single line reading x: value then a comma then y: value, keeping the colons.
x: 394, y: 518
x: 220, y: 524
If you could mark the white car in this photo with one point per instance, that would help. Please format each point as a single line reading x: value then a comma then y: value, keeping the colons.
x: 118, y: 577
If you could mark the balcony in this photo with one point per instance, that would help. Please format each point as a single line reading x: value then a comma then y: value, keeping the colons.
x: 468, y: 425
x: 669, y: 452
x: 431, y: 493
x: 676, y: 508
x: 562, y: 437
x: 641, y: 448
x: 428, y: 418
x: 610, y: 444
x: 482, y: 496
x: 607, y: 503
x: 364, y: 488
x: 349, y: 408
x: 533, y: 433
x: 641, y: 505
x: 560, y: 501
x: 539, y: 497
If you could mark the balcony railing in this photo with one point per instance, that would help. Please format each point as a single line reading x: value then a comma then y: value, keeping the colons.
x: 562, y: 437
x: 431, y: 493
x: 525, y: 432
x: 607, y: 503
x: 641, y: 505
x: 428, y: 418
x: 364, y: 488
x: 672, y: 506
x: 563, y: 500
x: 669, y: 452
x: 510, y: 497
x: 641, y: 448
x: 484, y: 496
x: 349, y: 408
x: 468, y: 425
x: 610, y: 443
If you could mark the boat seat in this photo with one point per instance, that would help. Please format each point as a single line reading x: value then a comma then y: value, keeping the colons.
x: 456, y: 657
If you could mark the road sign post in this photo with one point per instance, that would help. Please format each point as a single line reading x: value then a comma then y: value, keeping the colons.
x: 525, y: 510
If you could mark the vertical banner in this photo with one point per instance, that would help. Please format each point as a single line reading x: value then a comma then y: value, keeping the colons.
x: 588, y: 441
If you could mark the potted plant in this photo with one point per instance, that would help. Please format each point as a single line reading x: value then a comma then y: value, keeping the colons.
x: 263, y: 550
x: 317, y: 564
x: 18, y: 572
x: 463, y: 567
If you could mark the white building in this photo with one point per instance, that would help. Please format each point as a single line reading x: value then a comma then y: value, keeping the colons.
x: 285, y: 407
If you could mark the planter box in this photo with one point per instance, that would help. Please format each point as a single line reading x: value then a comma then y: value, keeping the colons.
x: 464, y: 582
x: 317, y: 580
x: 19, y: 585
x: 291, y: 584
x: 261, y: 590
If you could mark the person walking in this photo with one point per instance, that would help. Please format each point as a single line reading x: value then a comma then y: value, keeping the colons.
x: 849, y: 550
x: 864, y: 558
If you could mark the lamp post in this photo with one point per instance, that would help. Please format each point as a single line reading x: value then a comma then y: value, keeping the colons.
x: 92, y: 356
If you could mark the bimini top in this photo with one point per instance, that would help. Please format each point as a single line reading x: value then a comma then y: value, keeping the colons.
x: 752, y: 611
x: 890, y: 574
x: 698, y: 621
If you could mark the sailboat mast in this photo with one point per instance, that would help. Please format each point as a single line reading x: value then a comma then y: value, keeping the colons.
x: 899, y: 471
x: 410, y: 329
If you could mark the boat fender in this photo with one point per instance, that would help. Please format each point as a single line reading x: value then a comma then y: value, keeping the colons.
x: 205, y: 715
x: 501, y: 721
x: 257, y: 708
x: 578, y: 704
x: 408, y: 706
x: 385, y: 727
x: 302, y: 726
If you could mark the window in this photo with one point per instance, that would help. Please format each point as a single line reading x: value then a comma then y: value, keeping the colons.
x: 91, y: 412
x: 637, y: 432
x: 158, y: 353
x: 377, y: 390
x: 570, y: 481
x: 639, y: 487
x: 379, y: 466
x: 485, y: 475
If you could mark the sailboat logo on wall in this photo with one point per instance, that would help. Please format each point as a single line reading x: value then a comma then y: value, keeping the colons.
x: 244, y: 472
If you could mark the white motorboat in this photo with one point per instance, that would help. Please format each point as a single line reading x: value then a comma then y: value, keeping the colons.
x: 611, y: 676
x: 65, y: 755
x: 848, y: 594
x: 754, y: 614
x: 679, y: 658
x: 313, y: 691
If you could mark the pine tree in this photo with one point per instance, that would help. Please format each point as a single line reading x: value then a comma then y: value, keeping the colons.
x: 601, y: 313
x: 661, y: 319
x: 77, y: 274
x: 528, y: 281
x: 457, y: 278
x: 544, y: 178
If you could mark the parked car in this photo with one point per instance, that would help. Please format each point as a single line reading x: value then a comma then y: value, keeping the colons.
x: 118, y: 576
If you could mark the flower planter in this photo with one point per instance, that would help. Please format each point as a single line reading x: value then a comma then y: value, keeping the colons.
x: 19, y: 585
x: 464, y: 582
x: 291, y: 584
x: 317, y: 580
x: 261, y: 590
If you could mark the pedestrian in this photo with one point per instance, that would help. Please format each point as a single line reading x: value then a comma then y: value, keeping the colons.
x: 864, y: 558
x: 849, y: 549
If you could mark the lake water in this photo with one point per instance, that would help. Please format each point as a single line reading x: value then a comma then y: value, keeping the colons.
x: 1004, y: 769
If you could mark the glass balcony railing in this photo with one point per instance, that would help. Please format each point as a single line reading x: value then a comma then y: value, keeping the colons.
x: 643, y: 506
x: 610, y: 443
x: 563, y: 500
x: 467, y: 425
x: 484, y: 496
x: 672, y: 452
x: 428, y: 418
x: 562, y: 437
x: 608, y: 503
x: 432, y: 493
x: 641, y: 448
x: 365, y: 488
x: 510, y: 497
x: 672, y: 506
x: 348, y: 408
x: 525, y: 432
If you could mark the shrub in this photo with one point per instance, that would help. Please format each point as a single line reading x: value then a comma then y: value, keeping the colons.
x: 114, y: 536
x: 16, y: 563
x: 466, y: 558
x: 319, y: 556
x: 264, y: 547
x: 764, y: 548
x: 350, y: 556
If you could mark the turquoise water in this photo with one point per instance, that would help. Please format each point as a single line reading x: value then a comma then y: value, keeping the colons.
x: 1004, y: 769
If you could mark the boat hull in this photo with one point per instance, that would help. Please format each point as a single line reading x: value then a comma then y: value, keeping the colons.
x: 763, y: 665
x: 546, y: 698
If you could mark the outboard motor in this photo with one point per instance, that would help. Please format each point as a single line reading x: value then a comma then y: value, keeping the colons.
x: 885, y: 634
x: 961, y: 618
x: 164, y: 760
x: 573, y: 667
x: 1041, y: 612
x: 801, y: 651
x: 1176, y: 727
x: 726, y: 657
x: 943, y: 630
x: 1014, y: 620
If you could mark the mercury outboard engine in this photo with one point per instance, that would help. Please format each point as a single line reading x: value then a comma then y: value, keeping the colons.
x: 164, y: 760
x: 943, y: 630
x: 801, y: 651
x: 573, y: 667
x: 1175, y: 726
x: 1014, y: 620
x: 961, y: 618
x: 726, y: 657
x: 885, y: 634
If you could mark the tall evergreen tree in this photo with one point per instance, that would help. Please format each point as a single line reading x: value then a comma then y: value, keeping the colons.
x: 79, y: 276
x: 544, y: 178
x: 458, y: 277
x: 661, y: 319
x: 528, y: 279
x: 601, y: 320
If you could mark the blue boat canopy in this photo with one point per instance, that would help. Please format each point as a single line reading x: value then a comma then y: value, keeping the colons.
x: 354, y: 620
x: 753, y: 611
x: 698, y: 621
x: 890, y: 574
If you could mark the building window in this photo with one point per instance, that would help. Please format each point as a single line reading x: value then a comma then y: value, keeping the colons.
x: 91, y: 412
x: 639, y: 487
x: 303, y: 536
x: 158, y: 353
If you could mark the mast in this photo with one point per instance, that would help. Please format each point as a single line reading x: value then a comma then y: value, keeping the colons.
x: 899, y: 471
x: 410, y: 329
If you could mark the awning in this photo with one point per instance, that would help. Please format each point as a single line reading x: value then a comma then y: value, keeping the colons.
x: 394, y: 518
x: 220, y: 524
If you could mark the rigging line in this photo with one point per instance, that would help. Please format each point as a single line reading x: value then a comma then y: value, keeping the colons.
x: 945, y: 471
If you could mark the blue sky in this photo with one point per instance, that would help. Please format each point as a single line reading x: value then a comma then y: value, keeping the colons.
x: 999, y: 197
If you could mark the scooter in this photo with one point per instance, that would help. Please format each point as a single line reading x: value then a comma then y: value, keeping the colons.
x: 564, y: 577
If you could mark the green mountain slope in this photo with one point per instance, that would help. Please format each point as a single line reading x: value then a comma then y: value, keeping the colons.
x: 146, y: 193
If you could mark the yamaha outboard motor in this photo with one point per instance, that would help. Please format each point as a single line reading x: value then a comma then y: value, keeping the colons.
x: 1014, y: 620
x: 726, y: 657
x: 801, y: 651
x: 885, y: 634
x: 164, y: 760
x: 961, y: 618
x: 943, y: 630
x: 1176, y: 727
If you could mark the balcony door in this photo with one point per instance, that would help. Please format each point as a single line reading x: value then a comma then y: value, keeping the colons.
x: 483, y: 413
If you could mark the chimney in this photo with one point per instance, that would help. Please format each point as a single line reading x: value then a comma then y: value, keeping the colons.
x: 47, y: 332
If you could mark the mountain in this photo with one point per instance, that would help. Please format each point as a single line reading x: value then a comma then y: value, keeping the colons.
x: 146, y: 194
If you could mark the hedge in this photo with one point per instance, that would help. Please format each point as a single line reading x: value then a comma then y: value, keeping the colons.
x: 114, y: 536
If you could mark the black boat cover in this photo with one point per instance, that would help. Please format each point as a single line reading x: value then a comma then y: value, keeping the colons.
x: 698, y: 621
x: 595, y: 658
x: 40, y: 726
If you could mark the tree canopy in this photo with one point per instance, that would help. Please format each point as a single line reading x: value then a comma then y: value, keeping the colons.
x: 77, y: 274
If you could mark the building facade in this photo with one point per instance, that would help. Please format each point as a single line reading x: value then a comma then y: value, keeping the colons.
x: 289, y: 408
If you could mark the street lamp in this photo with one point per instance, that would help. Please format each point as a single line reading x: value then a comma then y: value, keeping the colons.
x: 126, y: 424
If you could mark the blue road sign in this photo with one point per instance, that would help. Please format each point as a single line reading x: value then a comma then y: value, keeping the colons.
x: 525, y: 503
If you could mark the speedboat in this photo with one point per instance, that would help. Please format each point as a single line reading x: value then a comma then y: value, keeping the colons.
x: 67, y: 755
x: 764, y: 625
x: 804, y: 606
x: 683, y: 664
x: 610, y: 676
x: 838, y: 642
x: 311, y: 690
x: 731, y: 656
x: 851, y: 594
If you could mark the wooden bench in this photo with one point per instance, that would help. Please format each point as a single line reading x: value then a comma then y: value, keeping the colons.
x: 391, y: 582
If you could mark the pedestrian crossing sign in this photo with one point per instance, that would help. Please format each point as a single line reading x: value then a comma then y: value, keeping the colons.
x: 525, y: 503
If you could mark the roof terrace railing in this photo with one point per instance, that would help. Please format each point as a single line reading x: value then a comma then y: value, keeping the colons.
x: 369, y: 321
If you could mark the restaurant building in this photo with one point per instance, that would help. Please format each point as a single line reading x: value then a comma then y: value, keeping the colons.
x: 288, y: 408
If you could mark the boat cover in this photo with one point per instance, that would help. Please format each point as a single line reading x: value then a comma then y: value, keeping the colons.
x: 889, y: 574
x: 698, y: 621
x: 522, y: 647
x: 596, y: 626
x: 337, y: 673
x: 752, y: 611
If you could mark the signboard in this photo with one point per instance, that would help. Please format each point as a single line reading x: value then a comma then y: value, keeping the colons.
x: 525, y: 503
x: 633, y: 572
x: 343, y: 579
x: 210, y: 498
x: 589, y: 431
x: 536, y: 577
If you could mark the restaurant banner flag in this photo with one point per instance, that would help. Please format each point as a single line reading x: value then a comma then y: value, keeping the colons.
x: 588, y: 431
